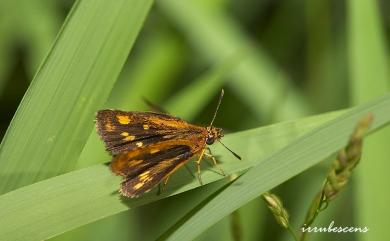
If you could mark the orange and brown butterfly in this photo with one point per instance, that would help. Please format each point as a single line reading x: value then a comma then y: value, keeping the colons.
x: 147, y: 147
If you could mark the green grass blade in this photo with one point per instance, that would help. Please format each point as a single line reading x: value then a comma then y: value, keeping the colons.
x: 282, y: 165
x: 368, y: 59
x: 56, y: 115
x: 65, y: 202
x: 370, y: 76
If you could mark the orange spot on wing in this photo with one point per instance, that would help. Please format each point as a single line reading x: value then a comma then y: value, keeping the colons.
x: 129, y: 138
x: 123, y: 119
x: 134, y: 163
x: 139, y: 144
x: 109, y: 127
x: 170, y: 123
x: 145, y: 177
x: 138, y: 185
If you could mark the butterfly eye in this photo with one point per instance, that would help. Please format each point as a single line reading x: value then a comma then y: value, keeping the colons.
x: 209, y: 140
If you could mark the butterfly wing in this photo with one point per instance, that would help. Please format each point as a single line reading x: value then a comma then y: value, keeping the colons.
x: 147, y: 147
x: 126, y: 131
x: 144, y: 170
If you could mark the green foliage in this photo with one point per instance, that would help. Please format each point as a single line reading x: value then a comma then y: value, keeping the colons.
x: 278, y: 62
x: 369, y: 67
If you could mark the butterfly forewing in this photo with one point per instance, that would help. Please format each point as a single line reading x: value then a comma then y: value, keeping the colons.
x: 126, y: 131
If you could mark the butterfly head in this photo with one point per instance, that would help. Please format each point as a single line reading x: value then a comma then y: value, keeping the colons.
x: 213, y: 134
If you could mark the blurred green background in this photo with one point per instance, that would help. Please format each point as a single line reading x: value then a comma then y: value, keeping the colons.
x: 276, y: 60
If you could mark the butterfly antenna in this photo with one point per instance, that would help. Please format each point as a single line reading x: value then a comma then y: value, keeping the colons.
x: 219, y: 103
x: 235, y: 154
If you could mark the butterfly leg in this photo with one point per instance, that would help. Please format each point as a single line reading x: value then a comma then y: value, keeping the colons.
x: 198, y: 165
x: 165, y: 182
x: 159, y: 191
x: 210, y: 155
x: 162, y: 186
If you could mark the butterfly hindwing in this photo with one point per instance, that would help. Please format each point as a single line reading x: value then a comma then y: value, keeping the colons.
x: 132, y: 163
x: 152, y: 169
